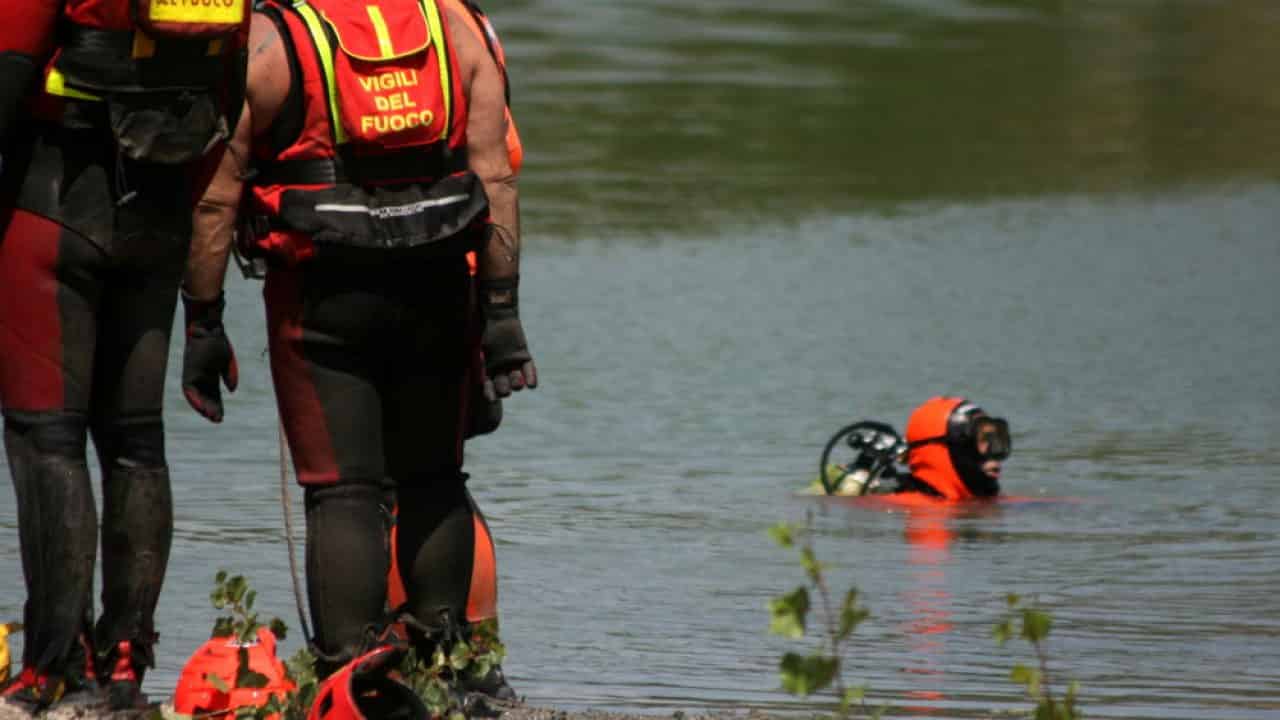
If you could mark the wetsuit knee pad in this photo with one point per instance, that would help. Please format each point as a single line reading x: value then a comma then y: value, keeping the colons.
x: 134, y: 441
x: 49, y: 434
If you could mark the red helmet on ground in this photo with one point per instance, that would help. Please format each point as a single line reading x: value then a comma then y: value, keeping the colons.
x: 363, y: 689
x: 220, y: 657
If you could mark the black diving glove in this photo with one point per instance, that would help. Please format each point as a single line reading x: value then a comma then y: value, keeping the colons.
x: 507, y: 361
x: 207, y: 357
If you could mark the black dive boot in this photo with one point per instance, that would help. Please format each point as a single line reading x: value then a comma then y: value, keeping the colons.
x: 137, y: 529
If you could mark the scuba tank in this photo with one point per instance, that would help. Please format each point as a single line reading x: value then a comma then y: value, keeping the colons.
x: 874, y: 448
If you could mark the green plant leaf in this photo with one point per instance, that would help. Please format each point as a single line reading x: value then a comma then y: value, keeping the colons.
x: 249, y: 598
x: 1002, y: 632
x: 480, y: 667
x: 278, y: 628
x: 809, y: 561
x: 851, y: 616
x: 789, y: 612
x: 783, y: 534
x: 438, y: 660
x: 220, y: 577
x: 1025, y: 676
x: 807, y: 675
x: 218, y: 598
x: 460, y: 655
x: 436, y: 697
x: 852, y: 696
x: 217, y: 682
x: 223, y: 627
x: 1012, y: 600
x: 457, y: 716
x: 1035, y: 625
x: 236, y: 587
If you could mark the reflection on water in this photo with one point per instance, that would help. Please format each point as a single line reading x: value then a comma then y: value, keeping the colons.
x: 928, y: 601
x: 751, y: 223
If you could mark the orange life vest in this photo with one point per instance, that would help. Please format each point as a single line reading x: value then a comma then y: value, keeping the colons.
x: 380, y: 162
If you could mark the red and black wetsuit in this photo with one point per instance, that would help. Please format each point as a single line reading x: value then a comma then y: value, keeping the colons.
x: 373, y: 328
x: 103, y: 134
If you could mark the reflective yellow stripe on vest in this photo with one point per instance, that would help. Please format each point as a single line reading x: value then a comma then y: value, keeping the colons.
x: 380, y: 29
x: 56, y: 84
x: 325, y: 51
x: 442, y: 54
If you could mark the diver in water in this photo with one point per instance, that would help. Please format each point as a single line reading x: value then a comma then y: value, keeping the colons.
x: 953, y: 449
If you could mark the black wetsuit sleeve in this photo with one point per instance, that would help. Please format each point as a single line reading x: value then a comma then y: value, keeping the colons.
x: 26, y: 38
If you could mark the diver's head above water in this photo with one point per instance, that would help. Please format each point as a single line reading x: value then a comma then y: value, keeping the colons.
x: 957, y: 449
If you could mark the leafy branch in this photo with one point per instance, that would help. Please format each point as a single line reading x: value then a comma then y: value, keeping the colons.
x: 1033, y: 625
x: 234, y: 595
x: 451, y: 662
x: 804, y: 675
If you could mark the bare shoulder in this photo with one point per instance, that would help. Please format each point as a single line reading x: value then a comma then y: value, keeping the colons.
x: 470, y: 52
x: 269, y: 73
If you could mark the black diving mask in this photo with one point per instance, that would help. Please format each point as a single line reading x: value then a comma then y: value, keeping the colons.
x: 984, y: 437
x: 990, y: 438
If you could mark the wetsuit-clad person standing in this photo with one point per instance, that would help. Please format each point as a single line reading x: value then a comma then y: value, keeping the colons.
x: 379, y: 174
x: 108, y: 112
x: 486, y: 415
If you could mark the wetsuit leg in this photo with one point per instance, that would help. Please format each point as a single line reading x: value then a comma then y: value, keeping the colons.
x: 482, y: 593
x: 346, y: 568
x: 425, y: 413
x: 57, y: 533
x: 324, y: 329
x: 135, y: 321
x: 50, y: 288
